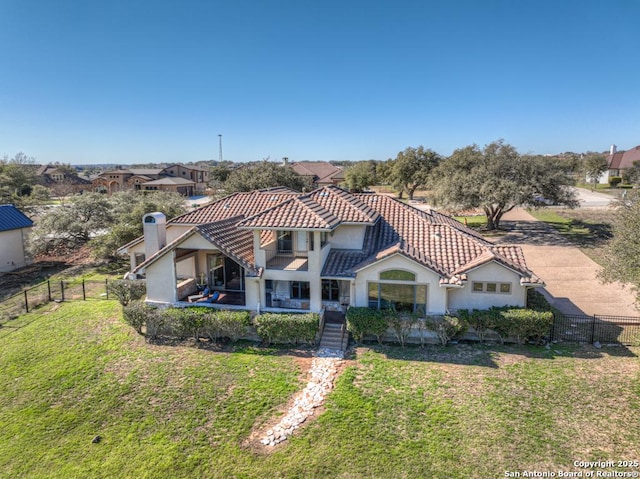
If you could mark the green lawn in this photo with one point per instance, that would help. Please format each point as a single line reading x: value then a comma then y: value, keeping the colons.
x: 177, y: 410
x: 587, y: 228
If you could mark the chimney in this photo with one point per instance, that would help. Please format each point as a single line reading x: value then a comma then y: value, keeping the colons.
x: 154, y: 226
x: 614, y: 148
x: 285, y: 161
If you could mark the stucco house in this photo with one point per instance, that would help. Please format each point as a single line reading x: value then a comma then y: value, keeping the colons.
x: 621, y: 160
x: 14, y: 228
x: 328, y: 249
x: 186, y: 180
x: 320, y: 173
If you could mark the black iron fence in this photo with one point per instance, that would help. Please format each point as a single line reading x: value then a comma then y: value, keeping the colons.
x: 589, y: 329
x: 31, y: 298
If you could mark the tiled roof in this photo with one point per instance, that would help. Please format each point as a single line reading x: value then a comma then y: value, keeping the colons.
x: 624, y: 159
x: 295, y: 213
x: 432, y: 239
x: 237, y: 204
x: 344, y: 205
x: 11, y: 218
x: 321, y: 170
x: 170, y: 181
x: 232, y: 241
x: 429, y: 238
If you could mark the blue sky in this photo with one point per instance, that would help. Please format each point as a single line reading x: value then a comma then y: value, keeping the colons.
x: 90, y: 81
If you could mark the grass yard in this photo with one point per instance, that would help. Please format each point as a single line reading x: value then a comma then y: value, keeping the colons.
x: 587, y: 228
x: 178, y: 411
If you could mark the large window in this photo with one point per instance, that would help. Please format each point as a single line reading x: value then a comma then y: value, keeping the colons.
x: 300, y: 290
x: 397, y: 290
x: 407, y: 298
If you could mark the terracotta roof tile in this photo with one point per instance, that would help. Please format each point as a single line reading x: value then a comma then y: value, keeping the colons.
x: 296, y: 213
x: 344, y: 205
x: 432, y: 239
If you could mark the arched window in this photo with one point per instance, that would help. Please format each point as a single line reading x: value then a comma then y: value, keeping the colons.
x: 398, y: 274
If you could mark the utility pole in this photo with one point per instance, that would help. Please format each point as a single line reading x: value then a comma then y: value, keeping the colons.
x: 220, y: 151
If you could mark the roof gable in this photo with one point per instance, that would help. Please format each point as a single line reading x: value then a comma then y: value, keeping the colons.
x: 11, y: 218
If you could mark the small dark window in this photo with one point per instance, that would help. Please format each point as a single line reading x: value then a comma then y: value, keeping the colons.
x: 300, y: 290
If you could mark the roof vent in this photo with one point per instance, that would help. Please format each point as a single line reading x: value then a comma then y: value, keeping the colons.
x: 436, y: 235
x: 227, y: 206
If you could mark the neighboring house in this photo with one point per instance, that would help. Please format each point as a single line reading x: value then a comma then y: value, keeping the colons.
x: 320, y: 173
x: 620, y: 160
x: 197, y: 174
x: 14, y: 228
x: 52, y: 177
x: 183, y: 179
x: 328, y: 249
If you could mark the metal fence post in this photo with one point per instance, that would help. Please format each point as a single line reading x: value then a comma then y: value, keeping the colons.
x: 84, y: 294
x: 593, y: 329
x: 106, y: 286
x: 49, y: 289
x: 26, y: 301
x: 62, y: 289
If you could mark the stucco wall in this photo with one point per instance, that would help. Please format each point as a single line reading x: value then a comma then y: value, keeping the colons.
x: 465, y: 298
x: 12, y: 249
x: 161, y: 280
x: 348, y: 237
x: 436, y: 296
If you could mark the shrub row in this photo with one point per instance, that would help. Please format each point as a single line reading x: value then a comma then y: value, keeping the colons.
x: 184, y: 322
x: 518, y: 323
x: 215, y: 324
x: 362, y: 321
x: 522, y: 324
x: 287, y: 328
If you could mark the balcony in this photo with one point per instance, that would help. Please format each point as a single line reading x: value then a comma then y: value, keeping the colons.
x: 287, y: 260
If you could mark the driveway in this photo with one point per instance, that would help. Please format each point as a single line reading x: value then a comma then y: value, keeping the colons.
x: 571, y: 279
x: 588, y: 198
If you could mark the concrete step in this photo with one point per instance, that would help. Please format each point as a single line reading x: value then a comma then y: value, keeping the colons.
x: 332, y: 337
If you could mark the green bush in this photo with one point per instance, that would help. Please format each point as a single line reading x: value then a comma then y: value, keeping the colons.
x: 528, y: 325
x: 445, y: 327
x: 225, y: 324
x: 362, y: 321
x: 155, y: 323
x: 287, y: 328
x: 135, y: 314
x: 125, y: 290
x: 402, y: 325
x: 614, y: 181
x: 480, y: 320
x: 537, y: 301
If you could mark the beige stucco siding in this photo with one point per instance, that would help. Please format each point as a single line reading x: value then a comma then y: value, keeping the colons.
x: 348, y: 237
x: 466, y: 298
x: 12, y: 254
x: 161, y: 279
x: 436, y: 296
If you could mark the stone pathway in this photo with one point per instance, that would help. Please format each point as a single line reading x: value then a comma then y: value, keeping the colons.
x: 324, y: 369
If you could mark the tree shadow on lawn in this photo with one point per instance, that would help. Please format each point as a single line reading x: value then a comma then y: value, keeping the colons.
x: 239, y: 347
x: 486, y: 354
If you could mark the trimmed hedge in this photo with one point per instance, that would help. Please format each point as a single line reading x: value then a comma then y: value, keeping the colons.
x: 519, y: 323
x: 362, y: 321
x: 287, y: 328
x: 184, y: 322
